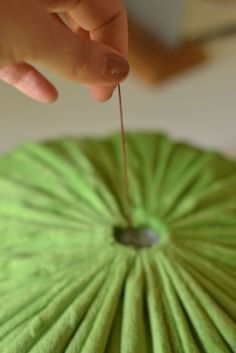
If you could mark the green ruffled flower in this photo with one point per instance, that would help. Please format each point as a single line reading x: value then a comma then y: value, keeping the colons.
x: 69, y: 284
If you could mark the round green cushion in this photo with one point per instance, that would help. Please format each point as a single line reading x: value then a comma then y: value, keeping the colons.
x: 67, y: 285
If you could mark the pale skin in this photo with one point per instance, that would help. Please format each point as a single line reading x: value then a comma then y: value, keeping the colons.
x: 87, y: 44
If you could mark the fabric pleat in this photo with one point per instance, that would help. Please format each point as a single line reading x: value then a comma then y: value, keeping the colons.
x: 67, y: 285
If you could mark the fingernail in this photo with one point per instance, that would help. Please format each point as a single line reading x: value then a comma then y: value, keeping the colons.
x: 116, y: 69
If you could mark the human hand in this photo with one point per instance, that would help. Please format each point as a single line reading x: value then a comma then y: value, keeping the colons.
x: 90, y: 49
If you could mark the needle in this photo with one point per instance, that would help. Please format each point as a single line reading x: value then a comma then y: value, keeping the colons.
x: 126, y: 178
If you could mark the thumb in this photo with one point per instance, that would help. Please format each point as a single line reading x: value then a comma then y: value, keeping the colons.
x: 74, y: 57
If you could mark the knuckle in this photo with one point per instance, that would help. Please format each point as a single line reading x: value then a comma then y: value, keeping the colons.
x: 24, y: 78
x: 17, y: 75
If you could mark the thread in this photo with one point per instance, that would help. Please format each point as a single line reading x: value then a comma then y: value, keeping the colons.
x: 125, y: 162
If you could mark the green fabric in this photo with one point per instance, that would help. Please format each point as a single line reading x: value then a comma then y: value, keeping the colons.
x: 66, y: 284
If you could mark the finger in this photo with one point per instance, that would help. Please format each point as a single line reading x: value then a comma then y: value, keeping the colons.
x: 105, y: 20
x: 77, y: 58
x: 29, y: 81
x: 101, y: 94
x: 73, y: 25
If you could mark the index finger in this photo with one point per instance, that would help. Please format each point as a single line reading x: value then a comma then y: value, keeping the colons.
x: 106, y: 21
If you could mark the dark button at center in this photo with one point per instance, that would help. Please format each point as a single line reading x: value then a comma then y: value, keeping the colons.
x: 137, y: 238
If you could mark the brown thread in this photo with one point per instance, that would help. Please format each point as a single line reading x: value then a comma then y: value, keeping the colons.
x: 126, y: 178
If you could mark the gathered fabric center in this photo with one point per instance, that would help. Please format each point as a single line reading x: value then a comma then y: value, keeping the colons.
x: 137, y: 238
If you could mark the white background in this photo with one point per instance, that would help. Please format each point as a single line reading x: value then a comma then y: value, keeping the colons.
x: 199, y: 106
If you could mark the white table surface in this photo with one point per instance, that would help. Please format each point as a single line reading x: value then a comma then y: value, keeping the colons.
x: 199, y: 106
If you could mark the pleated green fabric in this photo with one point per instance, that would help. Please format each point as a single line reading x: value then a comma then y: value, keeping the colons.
x: 68, y: 286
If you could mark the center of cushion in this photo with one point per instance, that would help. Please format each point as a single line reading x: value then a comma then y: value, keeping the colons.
x: 137, y: 238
